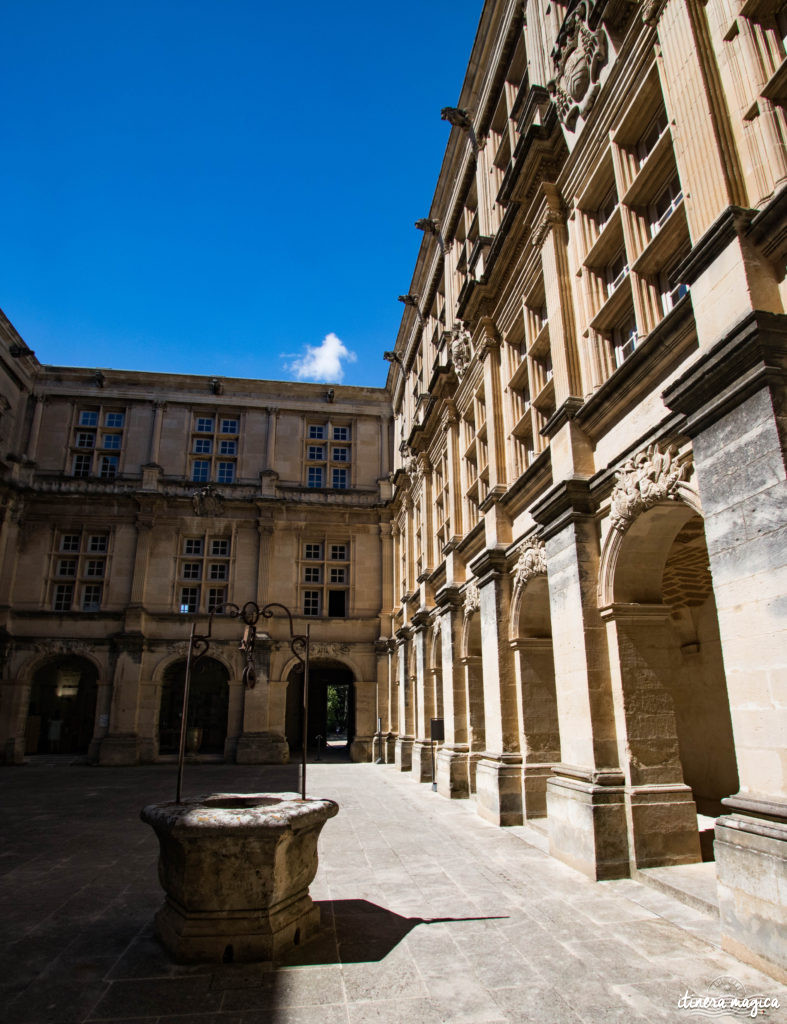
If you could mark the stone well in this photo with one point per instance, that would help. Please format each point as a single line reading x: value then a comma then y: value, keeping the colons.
x: 236, y: 870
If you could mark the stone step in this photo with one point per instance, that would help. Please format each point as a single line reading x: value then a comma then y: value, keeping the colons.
x: 692, y: 884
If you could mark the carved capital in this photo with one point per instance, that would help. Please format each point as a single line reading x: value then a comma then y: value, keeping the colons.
x: 643, y: 481
x: 472, y: 598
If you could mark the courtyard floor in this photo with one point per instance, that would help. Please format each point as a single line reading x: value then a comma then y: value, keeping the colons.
x: 429, y: 915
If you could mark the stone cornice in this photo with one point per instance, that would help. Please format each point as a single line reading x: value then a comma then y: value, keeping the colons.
x: 733, y: 221
x: 752, y: 356
x: 567, y: 502
x: 488, y: 563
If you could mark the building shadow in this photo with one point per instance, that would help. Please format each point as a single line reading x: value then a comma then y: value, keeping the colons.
x: 357, y: 931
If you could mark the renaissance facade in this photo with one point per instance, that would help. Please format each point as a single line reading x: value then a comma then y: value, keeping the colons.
x: 137, y: 503
x: 588, y: 384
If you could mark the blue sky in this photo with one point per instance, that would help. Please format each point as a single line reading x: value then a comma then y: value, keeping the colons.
x: 221, y: 186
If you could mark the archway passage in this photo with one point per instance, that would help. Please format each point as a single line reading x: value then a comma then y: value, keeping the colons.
x: 62, y: 711
x: 331, y: 705
x: 208, y: 706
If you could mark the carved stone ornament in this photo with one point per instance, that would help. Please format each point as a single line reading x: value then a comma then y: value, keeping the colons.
x: 645, y: 480
x: 472, y: 598
x: 461, y: 350
x: 410, y: 466
x: 437, y: 626
x: 577, y: 57
x: 207, y: 501
x: 62, y: 647
x: 328, y: 650
x: 532, y: 562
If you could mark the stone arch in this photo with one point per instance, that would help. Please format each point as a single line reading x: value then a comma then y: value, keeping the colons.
x: 208, y: 711
x: 672, y: 710
x: 470, y: 656
x: 435, y: 666
x: 60, y: 703
x: 324, y: 673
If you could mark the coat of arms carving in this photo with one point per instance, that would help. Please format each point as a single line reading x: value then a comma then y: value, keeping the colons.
x: 577, y: 57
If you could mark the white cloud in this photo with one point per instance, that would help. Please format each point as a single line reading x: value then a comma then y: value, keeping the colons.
x: 323, y: 363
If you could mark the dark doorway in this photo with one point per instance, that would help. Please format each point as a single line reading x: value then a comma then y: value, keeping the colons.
x: 208, y: 705
x: 331, y: 704
x: 62, y: 712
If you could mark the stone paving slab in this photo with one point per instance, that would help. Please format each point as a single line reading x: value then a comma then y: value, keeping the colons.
x: 430, y: 915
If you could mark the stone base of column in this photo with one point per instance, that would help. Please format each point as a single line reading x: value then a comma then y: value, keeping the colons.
x: 534, y: 789
x: 472, y: 767
x: 422, y: 761
x: 119, y: 749
x: 403, y: 754
x: 499, y: 788
x: 262, y: 748
x: 361, y: 749
x: 389, y: 748
x: 453, y: 780
x: 662, y: 826
x: 587, y: 821
x: 751, y: 870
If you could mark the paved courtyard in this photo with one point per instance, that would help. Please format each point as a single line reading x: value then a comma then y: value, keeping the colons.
x: 429, y: 914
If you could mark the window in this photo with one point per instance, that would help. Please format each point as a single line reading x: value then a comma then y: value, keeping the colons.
x: 229, y: 426
x: 651, y: 135
x: 338, y: 575
x: 86, y: 439
x: 337, y: 603
x: 316, y: 432
x: 606, y: 208
x: 226, y: 472
x: 341, y: 454
x: 341, y: 433
x: 317, y: 598
x: 672, y: 290
x: 203, y: 445
x: 228, y: 447
x: 91, y: 597
x: 315, y: 453
x: 114, y: 419
x: 192, y: 566
x: 82, y: 465
x: 338, y: 552
x: 88, y: 418
x: 625, y: 340
x: 314, y: 476
x: 312, y: 551
x: 204, y: 425
x: 340, y: 479
x: 109, y: 467
x: 200, y: 470
x: 311, y: 574
x: 82, y: 569
x: 64, y: 596
x: 111, y: 441
x: 664, y: 204
x: 616, y: 272
x: 311, y: 602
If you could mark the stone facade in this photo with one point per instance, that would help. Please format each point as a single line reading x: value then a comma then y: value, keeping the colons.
x: 136, y: 503
x: 569, y: 546
x: 588, y: 385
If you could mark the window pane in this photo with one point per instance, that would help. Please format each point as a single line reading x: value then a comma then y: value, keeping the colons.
x: 219, y: 547
x: 97, y: 543
x: 69, y: 542
x: 341, y: 454
x: 193, y: 546
x: 189, y: 599
x: 67, y: 567
x: 86, y: 439
x: 82, y: 464
x: 314, y: 476
x: 312, y: 551
x: 114, y: 419
x: 311, y: 574
x: 111, y: 441
x: 217, y: 598
x: 204, y: 424
x: 91, y: 597
x: 228, y: 447
x: 226, y: 472
x: 229, y: 427
x: 315, y: 452
x: 88, y: 418
x: 218, y: 571
x: 341, y: 433
x: 203, y: 445
x: 64, y: 595
x: 340, y: 479
x: 316, y: 432
x: 192, y: 570
x: 339, y: 552
x: 200, y: 470
x: 311, y: 602
x: 95, y: 567
x: 109, y: 467
x: 338, y: 575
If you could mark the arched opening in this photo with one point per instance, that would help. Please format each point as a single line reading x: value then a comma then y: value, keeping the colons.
x: 474, y: 690
x: 676, y: 710
x: 531, y: 641
x: 331, y: 709
x: 208, y: 705
x: 62, y: 711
